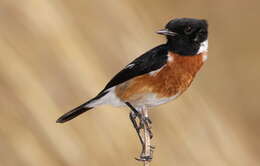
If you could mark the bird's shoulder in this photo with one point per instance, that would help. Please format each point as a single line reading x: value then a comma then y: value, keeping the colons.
x: 152, y: 60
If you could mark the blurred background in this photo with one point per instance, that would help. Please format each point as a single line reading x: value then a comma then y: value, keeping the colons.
x: 56, y: 54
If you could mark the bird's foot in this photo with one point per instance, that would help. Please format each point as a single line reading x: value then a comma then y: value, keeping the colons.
x: 148, y: 123
x: 144, y: 158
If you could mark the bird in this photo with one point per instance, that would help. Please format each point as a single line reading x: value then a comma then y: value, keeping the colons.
x: 159, y: 75
x: 156, y: 77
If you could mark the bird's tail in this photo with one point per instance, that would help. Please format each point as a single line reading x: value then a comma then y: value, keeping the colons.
x: 82, y: 108
x: 73, y: 113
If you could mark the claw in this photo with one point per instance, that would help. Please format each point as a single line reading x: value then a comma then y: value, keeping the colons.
x: 144, y: 158
x: 152, y: 147
x: 150, y: 134
x: 147, y: 121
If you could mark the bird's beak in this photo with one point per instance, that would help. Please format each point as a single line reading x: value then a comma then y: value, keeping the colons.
x: 166, y: 32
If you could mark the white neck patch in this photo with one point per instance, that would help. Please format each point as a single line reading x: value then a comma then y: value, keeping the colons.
x: 203, y: 47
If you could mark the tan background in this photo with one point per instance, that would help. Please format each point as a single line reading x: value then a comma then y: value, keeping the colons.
x: 55, y: 54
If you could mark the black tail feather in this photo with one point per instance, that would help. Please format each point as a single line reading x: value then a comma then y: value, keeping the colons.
x: 80, y: 109
x: 73, y: 113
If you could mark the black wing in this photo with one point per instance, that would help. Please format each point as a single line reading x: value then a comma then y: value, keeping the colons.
x: 149, y: 61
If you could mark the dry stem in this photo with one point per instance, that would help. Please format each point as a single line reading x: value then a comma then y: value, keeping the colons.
x: 147, y: 151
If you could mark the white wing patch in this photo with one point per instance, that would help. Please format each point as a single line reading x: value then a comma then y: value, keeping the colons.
x: 169, y: 60
x: 130, y: 66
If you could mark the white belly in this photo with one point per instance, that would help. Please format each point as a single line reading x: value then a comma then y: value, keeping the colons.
x: 151, y: 100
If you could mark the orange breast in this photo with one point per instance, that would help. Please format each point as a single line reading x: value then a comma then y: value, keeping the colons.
x: 175, y: 77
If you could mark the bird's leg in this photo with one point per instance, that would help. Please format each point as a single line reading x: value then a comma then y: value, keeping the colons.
x: 133, y: 115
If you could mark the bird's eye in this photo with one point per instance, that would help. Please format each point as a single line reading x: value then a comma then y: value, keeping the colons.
x: 188, y: 30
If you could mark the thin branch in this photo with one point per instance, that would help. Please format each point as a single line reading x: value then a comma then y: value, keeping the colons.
x: 147, y: 152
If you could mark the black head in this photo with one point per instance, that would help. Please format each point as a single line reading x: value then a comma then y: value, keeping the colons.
x: 185, y: 35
